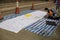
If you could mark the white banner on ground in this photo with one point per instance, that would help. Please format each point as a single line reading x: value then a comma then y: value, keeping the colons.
x: 20, y: 22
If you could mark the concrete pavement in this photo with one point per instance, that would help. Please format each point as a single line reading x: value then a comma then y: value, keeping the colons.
x: 22, y: 6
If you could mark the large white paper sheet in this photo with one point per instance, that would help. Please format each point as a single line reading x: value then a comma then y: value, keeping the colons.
x: 20, y: 22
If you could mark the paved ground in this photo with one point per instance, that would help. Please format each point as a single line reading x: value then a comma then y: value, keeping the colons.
x: 26, y: 35
x: 6, y: 6
x: 5, y: 10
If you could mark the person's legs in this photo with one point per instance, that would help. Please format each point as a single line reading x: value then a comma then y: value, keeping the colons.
x: 57, y: 7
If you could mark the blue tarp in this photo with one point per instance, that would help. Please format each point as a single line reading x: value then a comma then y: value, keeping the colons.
x: 41, y: 28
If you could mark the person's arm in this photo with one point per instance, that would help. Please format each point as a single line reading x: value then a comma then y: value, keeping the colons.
x: 50, y: 13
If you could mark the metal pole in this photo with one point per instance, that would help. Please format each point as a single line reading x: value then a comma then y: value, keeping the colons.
x: 1, y: 17
x: 32, y: 8
x: 17, y: 7
x: 17, y: 3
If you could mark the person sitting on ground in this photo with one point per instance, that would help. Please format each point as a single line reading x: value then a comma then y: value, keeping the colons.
x: 51, y: 14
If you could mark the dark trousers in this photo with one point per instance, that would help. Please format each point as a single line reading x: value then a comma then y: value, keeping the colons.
x: 54, y: 18
x: 57, y: 6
